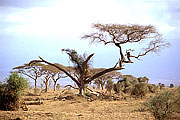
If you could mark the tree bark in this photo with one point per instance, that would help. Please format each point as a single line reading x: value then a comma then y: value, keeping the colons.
x: 46, y: 87
x: 35, y: 84
x: 55, y: 82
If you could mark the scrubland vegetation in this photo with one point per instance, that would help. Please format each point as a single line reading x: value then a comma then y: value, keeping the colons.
x: 94, y: 94
x: 129, y: 98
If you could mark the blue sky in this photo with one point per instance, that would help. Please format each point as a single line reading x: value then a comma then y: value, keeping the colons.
x: 32, y: 28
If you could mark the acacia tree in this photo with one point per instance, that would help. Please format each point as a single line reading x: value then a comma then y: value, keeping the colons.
x: 100, y: 81
x: 117, y: 35
x: 46, y: 76
x: 53, y: 74
x: 32, y: 71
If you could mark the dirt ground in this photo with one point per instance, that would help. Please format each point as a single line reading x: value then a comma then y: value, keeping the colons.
x: 52, y: 108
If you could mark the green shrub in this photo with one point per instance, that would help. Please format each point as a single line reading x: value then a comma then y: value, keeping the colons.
x: 140, y: 89
x: 161, y: 106
x: 10, y: 93
x: 17, y: 83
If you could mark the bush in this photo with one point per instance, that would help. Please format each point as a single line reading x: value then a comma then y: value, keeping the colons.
x: 143, y: 79
x: 171, y: 85
x: 161, y: 106
x: 119, y: 86
x: 128, y: 89
x: 177, y: 100
x: 109, y: 85
x: 140, y: 89
x: 161, y: 86
x: 152, y: 88
x: 135, y: 81
x: 127, y: 82
x: 10, y: 93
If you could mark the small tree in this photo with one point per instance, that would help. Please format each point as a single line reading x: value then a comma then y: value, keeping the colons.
x: 100, y: 81
x: 171, y: 85
x: 58, y: 86
x: 51, y: 73
x: 46, y: 77
x: 10, y: 93
x: 32, y: 71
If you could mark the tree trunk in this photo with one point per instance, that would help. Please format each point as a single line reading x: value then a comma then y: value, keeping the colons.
x: 55, y: 82
x: 46, y: 87
x: 102, y: 87
x: 35, y: 84
x: 82, y: 89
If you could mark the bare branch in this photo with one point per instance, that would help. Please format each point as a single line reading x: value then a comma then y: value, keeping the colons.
x: 70, y: 86
x: 154, y: 46
x: 86, y: 61
x: 121, y: 34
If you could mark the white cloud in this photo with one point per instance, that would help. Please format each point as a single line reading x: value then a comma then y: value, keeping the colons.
x: 69, y: 17
x: 166, y: 28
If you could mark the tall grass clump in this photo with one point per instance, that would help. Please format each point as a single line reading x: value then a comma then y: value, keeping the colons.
x: 11, y: 92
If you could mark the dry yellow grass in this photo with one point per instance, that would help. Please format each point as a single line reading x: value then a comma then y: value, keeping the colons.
x: 78, y: 109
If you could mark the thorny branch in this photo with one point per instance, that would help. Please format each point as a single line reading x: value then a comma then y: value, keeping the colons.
x: 120, y: 34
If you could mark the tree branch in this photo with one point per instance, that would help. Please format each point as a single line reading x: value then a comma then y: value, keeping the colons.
x: 102, y: 73
x: 61, y: 69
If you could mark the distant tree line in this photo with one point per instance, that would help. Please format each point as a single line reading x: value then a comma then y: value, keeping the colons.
x: 45, y: 74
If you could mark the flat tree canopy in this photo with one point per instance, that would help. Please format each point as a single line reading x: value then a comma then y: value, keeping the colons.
x: 119, y: 35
